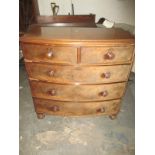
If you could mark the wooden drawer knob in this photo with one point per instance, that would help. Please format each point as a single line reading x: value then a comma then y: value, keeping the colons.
x: 51, y: 73
x: 106, y: 75
x: 103, y: 93
x: 52, y: 92
x: 49, y: 53
x: 101, y: 110
x: 109, y: 55
x: 54, y: 108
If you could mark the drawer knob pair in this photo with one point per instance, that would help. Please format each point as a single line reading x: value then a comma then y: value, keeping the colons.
x: 109, y: 55
x: 102, y: 110
x: 54, y: 108
x: 106, y: 75
x: 52, y: 92
x: 103, y: 93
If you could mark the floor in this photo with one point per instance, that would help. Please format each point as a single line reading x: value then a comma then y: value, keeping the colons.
x: 89, y: 135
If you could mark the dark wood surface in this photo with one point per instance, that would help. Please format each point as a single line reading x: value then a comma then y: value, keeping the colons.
x: 27, y: 14
x: 36, y: 9
x: 84, y: 24
x: 66, y: 19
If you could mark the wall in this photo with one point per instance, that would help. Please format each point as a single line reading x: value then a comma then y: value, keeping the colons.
x: 120, y: 11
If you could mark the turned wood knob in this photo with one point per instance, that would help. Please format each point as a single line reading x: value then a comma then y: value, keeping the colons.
x: 109, y: 55
x: 52, y: 92
x: 106, y: 75
x: 54, y: 108
x: 51, y: 73
x: 101, y: 110
x: 50, y: 53
x: 103, y: 93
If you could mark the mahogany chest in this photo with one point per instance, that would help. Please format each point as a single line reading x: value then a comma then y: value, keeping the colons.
x: 77, y: 71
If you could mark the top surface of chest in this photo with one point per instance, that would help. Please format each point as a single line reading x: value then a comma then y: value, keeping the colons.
x: 45, y: 34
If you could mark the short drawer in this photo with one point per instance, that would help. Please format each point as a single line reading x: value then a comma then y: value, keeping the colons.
x: 76, y: 108
x: 77, y: 92
x: 87, y: 75
x: 103, y: 55
x: 42, y: 53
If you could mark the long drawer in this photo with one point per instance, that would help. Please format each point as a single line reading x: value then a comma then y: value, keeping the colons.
x: 50, y: 54
x: 73, y: 108
x: 67, y: 74
x: 106, y: 55
x: 77, y: 92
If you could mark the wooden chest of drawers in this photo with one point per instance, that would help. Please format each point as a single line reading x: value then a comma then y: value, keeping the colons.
x: 77, y: 71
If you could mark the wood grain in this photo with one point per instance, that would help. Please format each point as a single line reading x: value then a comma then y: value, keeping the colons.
x: 40, y: 53
x: 75, y: 35
x: 77, y: 108
x: 76, y: 92
x: 82, y: 75
x: 77, y: 71
x: 67, y: 19
x: 96, y: 55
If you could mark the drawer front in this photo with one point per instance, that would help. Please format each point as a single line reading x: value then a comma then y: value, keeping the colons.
x: 77, y: 92
x: 103, y: 55
x: 50, y: 54
x: 67, y: 74
x: 70, y: 108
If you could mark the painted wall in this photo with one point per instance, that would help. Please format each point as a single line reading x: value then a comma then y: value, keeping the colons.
x: 120, y: 11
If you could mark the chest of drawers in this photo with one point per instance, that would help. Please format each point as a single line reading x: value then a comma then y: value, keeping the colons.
x: 77, y: 71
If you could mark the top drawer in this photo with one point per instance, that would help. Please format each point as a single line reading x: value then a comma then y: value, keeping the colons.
x: 43, y: 53
x: 103, y: 55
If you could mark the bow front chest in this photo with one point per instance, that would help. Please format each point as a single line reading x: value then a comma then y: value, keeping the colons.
x: 77, y: 71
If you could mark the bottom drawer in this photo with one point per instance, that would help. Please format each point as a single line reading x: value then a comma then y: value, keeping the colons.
x: 79, y: 108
